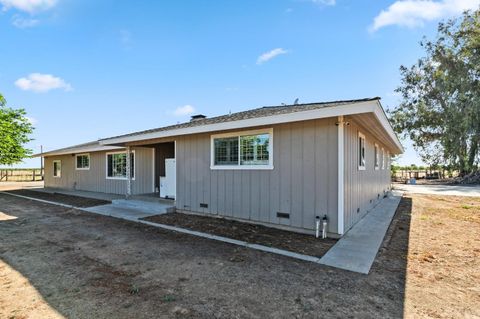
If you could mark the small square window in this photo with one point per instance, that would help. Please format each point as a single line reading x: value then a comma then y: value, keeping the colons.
x: 82, y: 161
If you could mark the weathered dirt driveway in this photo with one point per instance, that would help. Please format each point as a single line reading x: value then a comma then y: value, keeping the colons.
x: 56, y: 262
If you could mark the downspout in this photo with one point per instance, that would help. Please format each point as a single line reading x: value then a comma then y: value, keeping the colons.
x: 341, y: 181
x: 129, y: 175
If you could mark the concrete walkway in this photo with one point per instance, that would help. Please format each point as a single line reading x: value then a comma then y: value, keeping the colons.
x: 448, y: 190
x: 357, y: 249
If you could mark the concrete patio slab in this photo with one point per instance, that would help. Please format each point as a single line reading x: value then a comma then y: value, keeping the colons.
x: 357, y: 249
x: 131, y: 209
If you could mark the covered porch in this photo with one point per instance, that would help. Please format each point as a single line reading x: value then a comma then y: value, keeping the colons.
x: 162, y: 167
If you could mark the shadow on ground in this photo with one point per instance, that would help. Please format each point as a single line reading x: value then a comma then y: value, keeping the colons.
x: 88, y: 266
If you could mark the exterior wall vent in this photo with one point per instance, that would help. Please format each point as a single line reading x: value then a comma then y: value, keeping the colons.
x: 283, y: 215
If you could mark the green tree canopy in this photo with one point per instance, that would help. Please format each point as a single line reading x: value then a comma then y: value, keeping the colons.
x: 440, y: 108
x: 15, y: 129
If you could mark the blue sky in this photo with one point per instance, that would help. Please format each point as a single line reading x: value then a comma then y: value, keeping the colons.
x: 86, y: 69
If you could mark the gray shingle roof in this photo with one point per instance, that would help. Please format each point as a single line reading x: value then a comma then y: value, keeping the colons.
x: 249, y: 114
x: 84, y: 147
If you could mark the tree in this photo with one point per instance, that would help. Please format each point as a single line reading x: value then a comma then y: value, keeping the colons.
x: 15, y: 129
x: 440, y: 108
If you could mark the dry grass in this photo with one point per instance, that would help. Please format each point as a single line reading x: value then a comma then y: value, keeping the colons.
x: 443, y: 279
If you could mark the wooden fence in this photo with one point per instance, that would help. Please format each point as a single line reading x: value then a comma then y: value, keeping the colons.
x: 402, y: 175
x: 21, y: 175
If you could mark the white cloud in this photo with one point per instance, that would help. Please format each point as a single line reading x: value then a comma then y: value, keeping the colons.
x: 270, y: 55
x: 414, y: 13
x: 40, y: 83
x: 325, y: 2
x: 32, y: 120
x: 184, y: 110
x: 23, y: 23
x: 30, y: 6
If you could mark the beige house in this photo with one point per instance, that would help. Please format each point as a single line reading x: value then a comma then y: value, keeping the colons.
x: 281, y: 166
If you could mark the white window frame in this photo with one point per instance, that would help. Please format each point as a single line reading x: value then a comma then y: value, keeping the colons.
x: 82, y: 168
x: 388, y: 160
x: 268, y: 166
x: 120, y: 178
x: 360, y: 167
x: 383, y: 158
x: 60, y: 171
x: 376, y: 156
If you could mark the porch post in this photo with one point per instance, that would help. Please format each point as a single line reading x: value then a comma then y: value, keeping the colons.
x: 340, y: 175
x: 129, y: 175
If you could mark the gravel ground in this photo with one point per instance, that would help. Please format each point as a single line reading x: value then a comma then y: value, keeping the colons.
x: 440, y: 189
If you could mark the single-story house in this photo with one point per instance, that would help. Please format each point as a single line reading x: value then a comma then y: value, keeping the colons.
x: 280, y: 166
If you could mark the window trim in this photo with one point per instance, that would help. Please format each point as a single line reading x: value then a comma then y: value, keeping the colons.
x: 268, y: 166
x: 120, y: 178
x: 364, y: 167
x: 383, y: 158
x: 376, y: 156
x: 388, y: 160
x: 82, y: 168
x: 53, y: 164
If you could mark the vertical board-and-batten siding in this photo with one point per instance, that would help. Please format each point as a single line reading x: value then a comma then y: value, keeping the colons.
x: 303, y: 182
x: 94, y: 179
x: 363, y: 188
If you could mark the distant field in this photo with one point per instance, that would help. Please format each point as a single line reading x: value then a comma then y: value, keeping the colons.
x: 20, y: 175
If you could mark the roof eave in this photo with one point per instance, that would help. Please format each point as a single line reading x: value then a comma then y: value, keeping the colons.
x: 382, y: 117
x: 79, y: 150
x: 330, y: 111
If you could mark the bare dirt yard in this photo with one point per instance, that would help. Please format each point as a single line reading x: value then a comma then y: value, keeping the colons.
x: 254, y: 234
x: 57, y: 262
x: 76, y: 201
